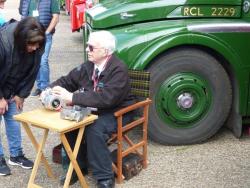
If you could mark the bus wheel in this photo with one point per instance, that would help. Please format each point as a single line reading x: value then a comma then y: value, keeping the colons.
x: 191, y: 94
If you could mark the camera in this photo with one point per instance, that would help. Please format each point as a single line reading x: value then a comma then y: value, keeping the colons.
x: 74, y: 113
x: 51, y: 101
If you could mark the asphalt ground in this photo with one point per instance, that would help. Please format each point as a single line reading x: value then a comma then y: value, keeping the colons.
x: 222, y: 161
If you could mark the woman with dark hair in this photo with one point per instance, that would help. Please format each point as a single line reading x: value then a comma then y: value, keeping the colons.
x: 47, y: 12
x: 21, y: 48
x: 29, y: 32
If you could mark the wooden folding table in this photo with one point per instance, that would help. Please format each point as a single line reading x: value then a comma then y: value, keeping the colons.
x: 50, y: 120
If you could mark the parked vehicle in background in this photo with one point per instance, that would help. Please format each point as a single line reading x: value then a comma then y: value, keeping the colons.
x: 198, y: 54
x: 76, y: 10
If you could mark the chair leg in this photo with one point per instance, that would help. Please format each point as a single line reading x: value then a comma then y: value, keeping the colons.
x: 145, y: 161
x: 145, y: 137
x: 119, y: 164
x: 145, y: 149
x: 119, y: 150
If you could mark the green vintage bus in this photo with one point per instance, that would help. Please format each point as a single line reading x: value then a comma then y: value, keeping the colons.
x: 198, y: 53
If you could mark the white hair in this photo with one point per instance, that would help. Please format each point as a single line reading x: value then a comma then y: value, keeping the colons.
x: 105, y: 39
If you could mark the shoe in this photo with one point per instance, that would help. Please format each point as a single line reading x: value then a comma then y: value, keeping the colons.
x: 4, y: 169
x: 106, y: 183
x: 74, y: 177
x: 21, y: 161
x: 37, y: 92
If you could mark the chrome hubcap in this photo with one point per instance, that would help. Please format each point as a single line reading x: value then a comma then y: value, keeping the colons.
x: 185, y: 101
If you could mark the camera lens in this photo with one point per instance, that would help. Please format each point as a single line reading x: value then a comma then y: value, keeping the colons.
x: 55, y: 103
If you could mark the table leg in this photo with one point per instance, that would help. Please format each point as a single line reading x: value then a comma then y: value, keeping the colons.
x: 37, y: 161
x: 72, y: 156
x: 36, y: 145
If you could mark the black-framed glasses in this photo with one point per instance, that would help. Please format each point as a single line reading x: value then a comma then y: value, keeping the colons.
x: 91, y: 47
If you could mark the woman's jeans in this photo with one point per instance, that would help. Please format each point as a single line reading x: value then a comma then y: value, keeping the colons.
x: 13, y: 132
x: 42, y: 79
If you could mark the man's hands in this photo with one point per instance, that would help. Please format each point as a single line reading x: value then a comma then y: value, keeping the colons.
x: 3, y: 106
x: 19, y: 102
x: 65, y: 95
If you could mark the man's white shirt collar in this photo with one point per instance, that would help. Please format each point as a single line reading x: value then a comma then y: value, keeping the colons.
x: 101, y: 66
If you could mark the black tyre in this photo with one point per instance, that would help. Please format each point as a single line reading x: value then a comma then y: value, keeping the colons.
x: 191, y: 95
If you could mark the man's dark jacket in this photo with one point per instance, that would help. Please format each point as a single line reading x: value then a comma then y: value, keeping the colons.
x: 7, y: 59
x: 113, y: 90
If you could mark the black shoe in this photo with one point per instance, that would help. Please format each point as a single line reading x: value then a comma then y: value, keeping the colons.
x: 74, y: 177
x: 37, y: 92
x: 4, y: 169
x: 21, y: 161
x: 106, y: 183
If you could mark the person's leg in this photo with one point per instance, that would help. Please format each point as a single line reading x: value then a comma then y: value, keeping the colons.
x: 13, y: 132
x: 99, y: 158
x: 1, y: 146
x: 4, y: 169
x: 81, y: 158
x: 96, y: 136
x: 44, y: 72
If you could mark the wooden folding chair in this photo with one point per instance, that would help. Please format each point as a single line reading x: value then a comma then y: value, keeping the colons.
x: 140, y: 88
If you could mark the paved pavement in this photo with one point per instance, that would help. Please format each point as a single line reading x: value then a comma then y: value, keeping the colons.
x: 222, y: 161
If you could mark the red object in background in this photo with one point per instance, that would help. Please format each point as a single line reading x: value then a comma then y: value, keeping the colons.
x: 77, y: 10
x: 56, y: 154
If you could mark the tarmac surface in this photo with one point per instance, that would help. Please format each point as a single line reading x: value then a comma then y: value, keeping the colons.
x: 221, y: 162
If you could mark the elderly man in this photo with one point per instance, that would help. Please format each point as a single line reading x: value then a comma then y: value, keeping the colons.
x: 102, y: 83
x: 21, y: 48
